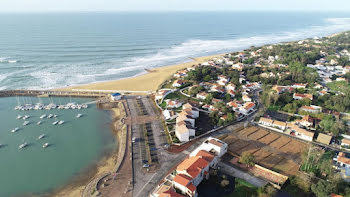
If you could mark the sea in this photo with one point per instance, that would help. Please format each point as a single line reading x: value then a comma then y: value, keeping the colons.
x: 50, y: 50
x: 76, y: 147
x: 40, y: 51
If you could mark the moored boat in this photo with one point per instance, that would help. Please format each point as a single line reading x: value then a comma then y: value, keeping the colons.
x: 61, y: 122
x: 23, y: 145
x: 54, y: 123
x: 46, y: 145
x: 14, y: 130
x: 79, y: 115
x: 26, y: 123
x: 41, y: 136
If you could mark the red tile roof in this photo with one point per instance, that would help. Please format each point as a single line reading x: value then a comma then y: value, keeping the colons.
x: 206, y: 155
x: 193, y: 166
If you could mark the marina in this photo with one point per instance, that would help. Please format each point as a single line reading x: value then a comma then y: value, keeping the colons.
x: 25, y: 150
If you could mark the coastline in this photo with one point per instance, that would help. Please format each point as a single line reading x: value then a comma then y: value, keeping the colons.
x: 148, y: 81
x: 105, y: 165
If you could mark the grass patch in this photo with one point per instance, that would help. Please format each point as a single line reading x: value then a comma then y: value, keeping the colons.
x: 243, y: 189
x: 341, y: 86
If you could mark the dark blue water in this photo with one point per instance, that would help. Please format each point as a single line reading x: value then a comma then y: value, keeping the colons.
x: 54, y: 50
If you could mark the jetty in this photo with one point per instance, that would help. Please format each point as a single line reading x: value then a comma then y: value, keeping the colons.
x: 48, y: 93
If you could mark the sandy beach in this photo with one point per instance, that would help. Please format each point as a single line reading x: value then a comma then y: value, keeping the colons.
x: 146, y: 82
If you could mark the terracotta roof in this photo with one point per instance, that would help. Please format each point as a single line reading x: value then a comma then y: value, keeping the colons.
x: 216, y: 143
x: 168, y: 191
x: 186, y: 123
x: 232, y: 104
x: 182, y: 179
x: 191, y: 187
x: 303, y: 131
x: 335, y: 195
x: 323, y: 138
x: 206, y: 155
x: 345, y: 141
x: 343, y: 159
x: 268, y: 120
x: 193, y: 165
x: 309, y: 96
x: 279, y: 123
x: 249, y: 105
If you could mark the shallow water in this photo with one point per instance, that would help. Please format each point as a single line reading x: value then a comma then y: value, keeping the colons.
x: 76, y: 144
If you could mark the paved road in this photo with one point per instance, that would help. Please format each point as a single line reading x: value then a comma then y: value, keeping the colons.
x: 228, y: 169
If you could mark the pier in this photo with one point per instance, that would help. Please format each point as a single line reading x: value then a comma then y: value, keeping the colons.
x: 48, y: 93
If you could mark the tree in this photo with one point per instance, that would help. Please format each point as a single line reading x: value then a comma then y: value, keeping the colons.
x: 247, y: 158
x: 208, y: 99
x: 322, y: 188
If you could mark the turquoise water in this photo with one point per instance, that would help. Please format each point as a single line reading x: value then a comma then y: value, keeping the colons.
x: 76, y: 145
x: 59, y: 49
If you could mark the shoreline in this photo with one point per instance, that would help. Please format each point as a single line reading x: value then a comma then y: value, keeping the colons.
x: 145, y: 81
x: 76, y: 186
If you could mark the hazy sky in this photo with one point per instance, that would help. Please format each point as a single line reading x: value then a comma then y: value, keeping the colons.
x: 167, y: 5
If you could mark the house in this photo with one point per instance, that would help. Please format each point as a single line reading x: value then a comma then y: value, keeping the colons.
x: 166, y: 190
x: 279, y: 124
x: 181, y: 73
x: 116, y: 97
x: 343, y: 160
x: 223, y: 78
x: 217, y: 88
x: 231, y: 93
x: 299, y: 85
x: 246, y: 98
x: 190, y: 110
x: 324, y: 139
x: 202, y: 95
x: 322, y: 92
x: 173, y: 103
x: 311, y: 109
x: 302, y: 133
x: 238, y: 66
x: 169, y: 115
x: 212, y: 145
x: 266, y: 121
x: 247, y: 108
x: 306, y: 121
x: 184, y: 131
x: 297, y: 96
x: 184, y: 117
x: 345, y: 142
x: 185, y: 185
x: 178, y: 83
x: 162, y: 94
x: 230, y: 86
x: 282, y: 89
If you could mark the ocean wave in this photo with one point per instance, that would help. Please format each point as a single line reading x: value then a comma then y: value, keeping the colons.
x: 7, y: 60
x: 51, y: 75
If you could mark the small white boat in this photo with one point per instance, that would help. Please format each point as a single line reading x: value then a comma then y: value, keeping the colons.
x: 1, y: 145
x: 25, y: 117
x: 50, y: 116
x: 14, y: 130
x: 19, y: 117
x: 23, y: 145
x: 84, y: 106
x: 38, y: 123
x: 46, y: 145
x: 54, y: 123
x: 61, y: 122
x: 79, y: 115
x: 55, y: 116
x: 26, y: 123
x: 42, y: 116
x: 41, y: 136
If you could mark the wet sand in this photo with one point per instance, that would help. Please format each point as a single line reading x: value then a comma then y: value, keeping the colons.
x: 146, y: 82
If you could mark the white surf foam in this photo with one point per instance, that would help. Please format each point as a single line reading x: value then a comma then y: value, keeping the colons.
x: 58, y: 75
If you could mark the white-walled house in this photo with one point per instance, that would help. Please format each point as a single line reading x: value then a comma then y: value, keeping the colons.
x: 189, y: 108
x: 212, y: 145
x: 183, y: 131
x: 266, y: 121
x: 302, y: 133
x: 279, y: 124
x: 202, y: 95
